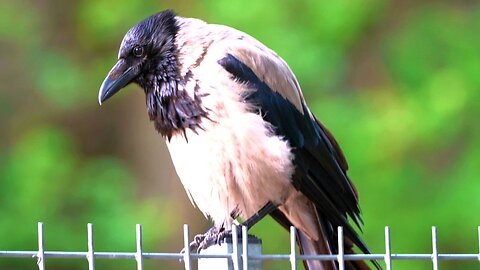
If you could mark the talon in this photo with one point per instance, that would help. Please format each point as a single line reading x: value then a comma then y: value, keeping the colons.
x: 198, y: 238
x: 221, y: 237
x: 202, y: 241
x: 202, y: 246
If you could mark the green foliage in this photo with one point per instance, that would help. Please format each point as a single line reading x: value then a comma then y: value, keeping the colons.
x: 397, y: 84
x: 45, y: 180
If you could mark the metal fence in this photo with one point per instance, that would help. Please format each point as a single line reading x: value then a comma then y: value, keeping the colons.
x: 239, y: 257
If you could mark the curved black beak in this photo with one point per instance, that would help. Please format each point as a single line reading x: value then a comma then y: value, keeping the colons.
x: 120, y: 76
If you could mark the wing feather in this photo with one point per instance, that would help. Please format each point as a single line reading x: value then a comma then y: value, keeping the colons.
x: 269, y: 68
x: 320, y: 165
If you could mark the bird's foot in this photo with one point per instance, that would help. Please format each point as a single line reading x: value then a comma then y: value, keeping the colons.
x: 212, y: 237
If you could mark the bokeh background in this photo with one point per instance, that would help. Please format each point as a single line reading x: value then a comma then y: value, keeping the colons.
x: 397, y: 82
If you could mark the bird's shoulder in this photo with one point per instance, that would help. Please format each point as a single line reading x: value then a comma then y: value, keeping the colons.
x: 205, y: 44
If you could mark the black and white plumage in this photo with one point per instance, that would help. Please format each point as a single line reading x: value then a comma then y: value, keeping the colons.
x: 239, y: 131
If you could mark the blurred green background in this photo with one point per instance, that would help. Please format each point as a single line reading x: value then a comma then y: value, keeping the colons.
x: 397, y: 82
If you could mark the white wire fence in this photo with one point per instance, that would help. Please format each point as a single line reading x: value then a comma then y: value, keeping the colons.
x: 239, y: 257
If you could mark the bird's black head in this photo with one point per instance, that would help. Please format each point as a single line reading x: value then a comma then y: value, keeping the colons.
x: 147, y: 57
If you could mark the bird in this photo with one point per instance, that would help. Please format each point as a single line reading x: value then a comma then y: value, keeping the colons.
x: 242, y: 139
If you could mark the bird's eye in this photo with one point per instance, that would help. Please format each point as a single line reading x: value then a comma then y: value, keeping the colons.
x: 138, y: 51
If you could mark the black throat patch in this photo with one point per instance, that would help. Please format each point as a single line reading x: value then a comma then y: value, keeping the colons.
x: 170, y: 107
x: 174, y: 114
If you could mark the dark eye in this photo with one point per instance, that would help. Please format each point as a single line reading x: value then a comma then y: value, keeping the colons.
x: 138, y: 51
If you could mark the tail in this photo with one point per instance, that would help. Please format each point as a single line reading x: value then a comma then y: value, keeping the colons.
x: 321, y: 246
x: 325, y: 244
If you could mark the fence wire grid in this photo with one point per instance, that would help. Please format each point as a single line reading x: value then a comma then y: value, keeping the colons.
x: 239, y: 258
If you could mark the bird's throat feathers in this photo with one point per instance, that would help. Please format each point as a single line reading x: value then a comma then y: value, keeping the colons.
x: 173, y: 115
x: 169, y: 106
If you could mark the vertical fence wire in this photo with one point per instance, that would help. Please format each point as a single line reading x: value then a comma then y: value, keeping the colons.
x: 293, y: 248
x: 244, y: 248
x: 388, y: 250
x: 41, y: 248
x: 139, y: 254
x: 340, y: 258
x: 187, y: 259
x: 434, y: 248
x: 91, y: 252
x: 235, y: 253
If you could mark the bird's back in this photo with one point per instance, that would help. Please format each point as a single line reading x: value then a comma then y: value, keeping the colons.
x: 269, y: 145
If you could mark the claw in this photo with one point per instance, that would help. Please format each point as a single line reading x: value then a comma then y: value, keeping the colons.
x: 202, y: 241
x: 195, y: 244
x: 221, y: 236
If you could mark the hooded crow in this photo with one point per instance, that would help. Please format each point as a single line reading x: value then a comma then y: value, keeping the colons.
x: 241, y: 137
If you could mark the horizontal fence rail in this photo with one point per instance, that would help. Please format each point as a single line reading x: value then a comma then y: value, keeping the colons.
x: 239, y: 258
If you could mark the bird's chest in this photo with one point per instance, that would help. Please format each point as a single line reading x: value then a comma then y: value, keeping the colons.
x: 235, y: 163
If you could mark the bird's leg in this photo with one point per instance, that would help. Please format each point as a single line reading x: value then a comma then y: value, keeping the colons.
x: 254, y: 219
x: 216, y: 235
x: 264, y: 211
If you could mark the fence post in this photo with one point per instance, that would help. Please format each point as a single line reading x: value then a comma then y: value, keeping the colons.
x: 41, y: 248
x: 235, y: 247
x: 91, y: 251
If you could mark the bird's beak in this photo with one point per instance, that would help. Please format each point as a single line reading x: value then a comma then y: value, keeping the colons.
x: 120, y: 75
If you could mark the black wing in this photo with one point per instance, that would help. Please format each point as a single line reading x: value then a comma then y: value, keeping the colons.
x: 320, y: 168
